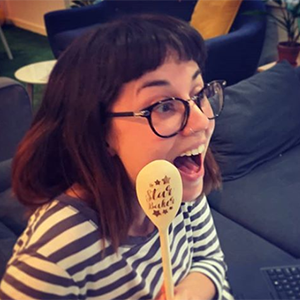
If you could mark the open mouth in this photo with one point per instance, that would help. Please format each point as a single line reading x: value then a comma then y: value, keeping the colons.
x: 188, y: 164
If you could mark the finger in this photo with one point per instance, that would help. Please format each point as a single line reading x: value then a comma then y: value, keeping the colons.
x: 161, y: 294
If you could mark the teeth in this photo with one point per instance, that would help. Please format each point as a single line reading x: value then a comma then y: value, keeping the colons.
x: 188, y: 153
x: 197, y: 151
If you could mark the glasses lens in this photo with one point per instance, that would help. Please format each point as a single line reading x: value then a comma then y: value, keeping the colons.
x: 168, y: 116
x: 212, y: 101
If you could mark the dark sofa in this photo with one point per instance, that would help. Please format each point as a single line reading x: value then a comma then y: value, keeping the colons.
x: 15, y: 119
x: 257, y: 144
x: 232, y: 57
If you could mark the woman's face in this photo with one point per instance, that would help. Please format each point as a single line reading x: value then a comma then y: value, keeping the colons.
x: 137, y: 145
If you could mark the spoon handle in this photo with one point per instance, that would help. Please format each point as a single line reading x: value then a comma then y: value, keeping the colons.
x: 166, y: 261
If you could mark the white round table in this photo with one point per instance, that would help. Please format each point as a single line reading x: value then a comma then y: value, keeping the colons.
x: 36, y: 73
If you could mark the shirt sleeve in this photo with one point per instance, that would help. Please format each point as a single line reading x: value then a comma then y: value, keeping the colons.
x: 208, y: 257
x: 35, y: 277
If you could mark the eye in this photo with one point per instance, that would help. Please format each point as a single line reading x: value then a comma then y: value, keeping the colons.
x: 209, y: 91
x: 166, y: 107
x: 198, y: 97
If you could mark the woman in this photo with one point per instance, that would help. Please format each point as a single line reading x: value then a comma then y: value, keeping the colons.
x: 127, y: 93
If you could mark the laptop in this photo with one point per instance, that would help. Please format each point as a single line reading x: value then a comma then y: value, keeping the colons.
x: 256, y: 282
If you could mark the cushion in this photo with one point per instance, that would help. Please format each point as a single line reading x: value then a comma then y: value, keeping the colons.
x: 242, y: 246
x: 245, y: 253
x: 5, y: 174
x: 266, y: 201
x: 15, y: 116
x: 298, y: 72
x: 13, y: 214
x: 7, y: 242
x: 260, y: 121
x: 214, y: 18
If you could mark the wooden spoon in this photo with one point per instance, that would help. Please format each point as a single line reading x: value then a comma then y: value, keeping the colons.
x: 159, y: 191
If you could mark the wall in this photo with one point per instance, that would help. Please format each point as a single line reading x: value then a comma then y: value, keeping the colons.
x: 275, y: 10
x: 29, y: 14
x: 274, y: 34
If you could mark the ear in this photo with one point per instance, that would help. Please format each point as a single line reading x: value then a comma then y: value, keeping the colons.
x: 110, y: 150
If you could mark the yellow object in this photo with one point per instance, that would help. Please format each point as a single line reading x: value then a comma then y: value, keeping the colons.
x: 2, y: 17
x: 214, y: 17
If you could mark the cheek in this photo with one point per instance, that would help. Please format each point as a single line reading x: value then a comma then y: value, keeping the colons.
x: 136, y: 145
x: 210, y: 129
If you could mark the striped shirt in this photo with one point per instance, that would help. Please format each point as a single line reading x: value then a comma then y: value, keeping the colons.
x: 60, y: 256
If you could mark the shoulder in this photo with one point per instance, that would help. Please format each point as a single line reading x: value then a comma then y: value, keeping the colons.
x: 37, y: 277
x: 57, y: 230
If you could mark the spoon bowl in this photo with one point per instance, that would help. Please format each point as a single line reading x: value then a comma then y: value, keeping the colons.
x: 159, y: 191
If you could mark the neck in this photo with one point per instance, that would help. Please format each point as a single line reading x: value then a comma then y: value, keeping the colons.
x: 141, y: 226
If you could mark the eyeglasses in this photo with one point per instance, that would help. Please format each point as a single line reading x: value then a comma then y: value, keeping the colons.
x: 169, y: 116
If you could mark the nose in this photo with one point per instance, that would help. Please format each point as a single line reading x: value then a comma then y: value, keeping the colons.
x: 197, y: 120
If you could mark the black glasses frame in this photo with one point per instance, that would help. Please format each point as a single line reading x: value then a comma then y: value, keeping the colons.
x: 146, y: 112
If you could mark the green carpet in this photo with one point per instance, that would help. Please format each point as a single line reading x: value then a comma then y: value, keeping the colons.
x: 26, y: 47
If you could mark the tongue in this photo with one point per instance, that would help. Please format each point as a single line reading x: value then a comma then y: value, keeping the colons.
x: 186, y: 165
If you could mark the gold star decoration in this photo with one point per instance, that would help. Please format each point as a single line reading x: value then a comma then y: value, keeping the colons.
x: 166, y: 179
x: 156, y: 213
x: 157, y: 182
x: 165, y: 211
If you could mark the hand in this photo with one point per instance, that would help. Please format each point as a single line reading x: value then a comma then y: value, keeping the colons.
x: 195, y: 286
x: 179, y: 296
x: 162, y: 294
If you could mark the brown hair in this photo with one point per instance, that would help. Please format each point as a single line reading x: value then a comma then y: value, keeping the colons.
x: 66, y: 143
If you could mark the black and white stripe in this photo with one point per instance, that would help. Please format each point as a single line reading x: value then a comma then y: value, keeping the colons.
x: 60, y: 256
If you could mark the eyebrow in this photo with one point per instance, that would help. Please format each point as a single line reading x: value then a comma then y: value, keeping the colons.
x: 163, y: 82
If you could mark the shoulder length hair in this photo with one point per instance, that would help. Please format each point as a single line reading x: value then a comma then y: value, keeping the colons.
x: 66, y: 143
